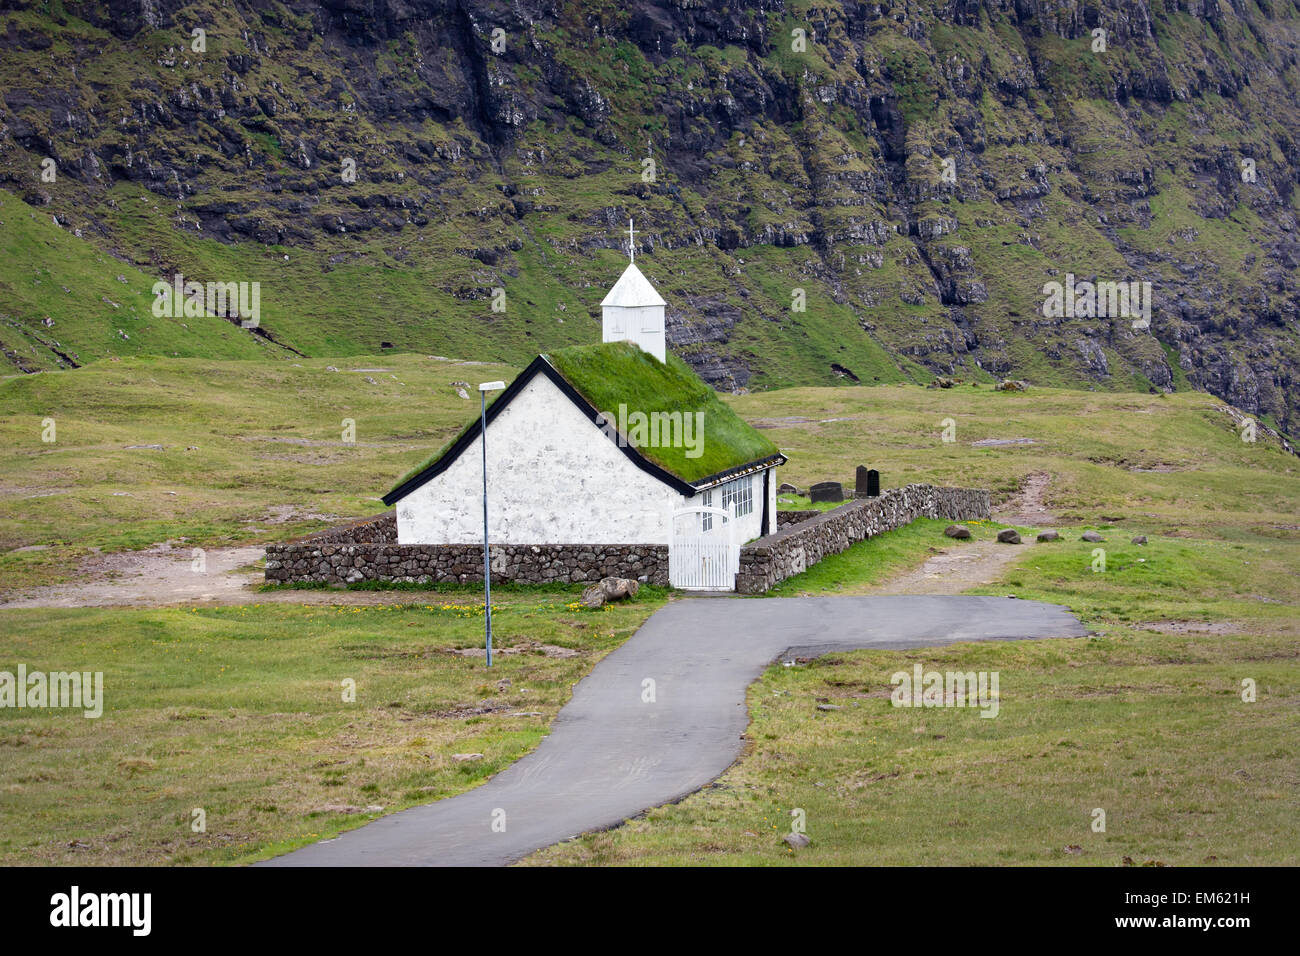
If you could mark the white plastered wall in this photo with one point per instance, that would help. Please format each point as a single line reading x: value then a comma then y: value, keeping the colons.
x: 553, y: 478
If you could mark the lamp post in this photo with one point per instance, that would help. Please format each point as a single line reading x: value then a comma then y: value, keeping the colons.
x: 483, y: 389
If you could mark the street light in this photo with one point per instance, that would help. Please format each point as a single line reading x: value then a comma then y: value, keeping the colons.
x: 487, y: 564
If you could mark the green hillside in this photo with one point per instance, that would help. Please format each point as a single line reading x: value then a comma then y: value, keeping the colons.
x: 396, y: 182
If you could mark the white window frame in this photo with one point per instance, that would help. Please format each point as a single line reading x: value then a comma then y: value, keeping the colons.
x: 738, y: 492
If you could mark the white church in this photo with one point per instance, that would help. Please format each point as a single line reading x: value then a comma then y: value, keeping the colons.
x: 616, y: 443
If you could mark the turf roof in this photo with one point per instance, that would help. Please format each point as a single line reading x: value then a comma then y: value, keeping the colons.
x: 620, y: 373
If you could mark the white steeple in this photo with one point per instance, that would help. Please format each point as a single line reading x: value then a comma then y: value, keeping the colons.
x: 633, y: 311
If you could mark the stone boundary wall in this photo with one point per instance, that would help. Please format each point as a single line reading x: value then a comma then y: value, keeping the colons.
x: 796, y: 547
x: 366, y: 550
x: 380, y: 529
x: 331, y: 562
x: 784, y: 518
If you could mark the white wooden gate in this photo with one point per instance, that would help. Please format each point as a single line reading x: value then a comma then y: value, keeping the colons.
x: 700, y: 560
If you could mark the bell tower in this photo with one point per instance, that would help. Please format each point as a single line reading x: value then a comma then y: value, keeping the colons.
x: 633, y: 311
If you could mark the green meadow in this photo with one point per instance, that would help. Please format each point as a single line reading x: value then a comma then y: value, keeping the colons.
x: 239, y: 711
x: 1145, y: 720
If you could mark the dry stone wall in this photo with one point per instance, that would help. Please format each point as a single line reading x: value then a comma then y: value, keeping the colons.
x: 368, y: 551
x: 796, y: 547
x: 381, y: 529
x: 350, y: 563
x: 784, y: 518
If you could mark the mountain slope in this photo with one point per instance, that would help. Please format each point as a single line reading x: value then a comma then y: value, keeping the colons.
x: 781, y: 175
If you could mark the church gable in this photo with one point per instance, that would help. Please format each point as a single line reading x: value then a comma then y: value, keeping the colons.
x: 554, y: 477
x: 660, y: 415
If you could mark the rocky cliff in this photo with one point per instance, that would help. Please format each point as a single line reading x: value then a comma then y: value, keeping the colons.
x: 824, y: 190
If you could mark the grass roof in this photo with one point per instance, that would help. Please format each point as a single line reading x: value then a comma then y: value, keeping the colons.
x: 615, y: 374
x: 620, y: 373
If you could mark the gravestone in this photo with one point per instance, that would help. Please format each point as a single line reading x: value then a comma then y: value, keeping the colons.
x: 826, y: 491
x: 867, y: 484
x: 787, y: 489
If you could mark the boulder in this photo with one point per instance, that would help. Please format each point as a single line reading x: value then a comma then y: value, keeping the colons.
x: 609, y: 589
x: 1140, y: 539
x: 957, y: 531
x: 797, y: 841
x: 1009, y: 536
x: 616, y: 589
x: 1091, y: 536
x: 1048, y: 536
x: 593, y: 596
x: 826, y: 491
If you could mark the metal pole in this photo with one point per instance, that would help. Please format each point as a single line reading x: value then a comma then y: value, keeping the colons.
x: 487, y: 564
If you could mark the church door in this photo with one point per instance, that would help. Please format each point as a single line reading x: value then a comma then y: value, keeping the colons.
x: 704, y: 554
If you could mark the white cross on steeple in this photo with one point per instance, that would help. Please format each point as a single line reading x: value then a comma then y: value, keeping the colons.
x: 631, y: 242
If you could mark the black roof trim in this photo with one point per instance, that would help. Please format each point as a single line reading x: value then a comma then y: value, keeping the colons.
x: 542, y: 365
x: 758, y: 464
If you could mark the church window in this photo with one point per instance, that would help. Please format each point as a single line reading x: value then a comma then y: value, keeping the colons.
x: 740, y: 493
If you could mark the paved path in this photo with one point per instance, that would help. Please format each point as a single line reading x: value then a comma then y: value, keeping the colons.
x: 609, y: 755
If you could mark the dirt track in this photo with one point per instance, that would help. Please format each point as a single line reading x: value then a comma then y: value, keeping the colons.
x: 964, y: 564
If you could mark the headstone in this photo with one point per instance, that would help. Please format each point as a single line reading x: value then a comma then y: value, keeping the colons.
x: 873, y: 484
x: 860, y: 482
x: 785, y: 488
x: 826, y: 491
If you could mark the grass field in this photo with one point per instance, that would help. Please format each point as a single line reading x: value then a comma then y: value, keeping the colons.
x: 1148, y: 727
x: 238, y: 710
x: 254, y: 451
x: 148, y: 450
x: 1145, y: 720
